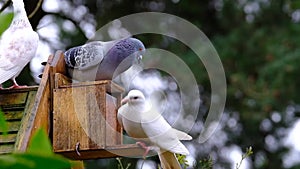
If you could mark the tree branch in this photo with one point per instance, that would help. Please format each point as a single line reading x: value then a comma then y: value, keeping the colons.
x: 5, y: 5
x: 38, y: 5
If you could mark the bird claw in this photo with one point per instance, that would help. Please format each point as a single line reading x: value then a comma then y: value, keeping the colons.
x: 144, y: 146
x: 77, y: 147
x: 15, y: 86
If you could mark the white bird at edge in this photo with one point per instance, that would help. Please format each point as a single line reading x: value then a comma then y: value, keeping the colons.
x: 143, y: 123
x: 18, y: 45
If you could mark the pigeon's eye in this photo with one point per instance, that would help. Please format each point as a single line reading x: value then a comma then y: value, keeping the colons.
x: 135, y: 98
x: 140, y: 49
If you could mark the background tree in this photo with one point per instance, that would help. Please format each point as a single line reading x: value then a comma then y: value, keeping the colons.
x: 258, y: 43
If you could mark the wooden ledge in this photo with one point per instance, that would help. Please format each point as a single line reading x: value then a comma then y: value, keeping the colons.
x: 62, y: 81
x: 124, y: 150
x: 17, y: 90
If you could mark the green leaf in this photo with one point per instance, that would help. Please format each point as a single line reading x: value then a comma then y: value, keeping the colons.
x: 182, y: 160
x: 39, y: 155
x: 33, y: 161
x: 5, y: 20
x: 40, y: 144
x: 3, y: 124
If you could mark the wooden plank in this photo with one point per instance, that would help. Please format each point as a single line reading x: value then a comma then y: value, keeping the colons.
x: 9, y: 138
x: 37, y: 111
x: 111, y: 87
x: 111, y: 121
x: 7, y: 99
x: 13, y: 126
x: 78, y: 119
x: 119, y: 127
x: 61, y: 80
x: 6, y: 148
x: 18, y: 90
x: 125, y: 150
x: 13, y: 115
x: 58, y: 65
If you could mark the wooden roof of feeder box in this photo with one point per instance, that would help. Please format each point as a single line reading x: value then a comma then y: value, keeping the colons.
x: 81, y: 118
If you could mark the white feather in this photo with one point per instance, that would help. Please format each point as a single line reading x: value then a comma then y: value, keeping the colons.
x: 141, y: 121
x: 18, y: 44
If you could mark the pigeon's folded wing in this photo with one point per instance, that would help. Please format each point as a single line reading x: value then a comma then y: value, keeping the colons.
x: 182, y: 135
x: 7, y: 74
x: 5, y: 64
x: 85, y: 56
x: 162, y: 134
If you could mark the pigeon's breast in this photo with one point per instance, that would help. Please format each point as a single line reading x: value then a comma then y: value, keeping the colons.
x: 134, y: 129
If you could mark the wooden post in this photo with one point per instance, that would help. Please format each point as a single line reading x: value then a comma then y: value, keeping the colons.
x: 37, y: 114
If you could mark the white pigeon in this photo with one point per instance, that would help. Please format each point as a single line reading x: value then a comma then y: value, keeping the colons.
x: 142, y: 122
x: 18, y: 45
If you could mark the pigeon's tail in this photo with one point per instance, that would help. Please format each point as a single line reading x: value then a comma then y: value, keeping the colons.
x: 168, y: 160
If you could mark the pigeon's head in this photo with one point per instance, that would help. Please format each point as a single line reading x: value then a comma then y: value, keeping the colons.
x: 134, y: 97
x: 139, y: 48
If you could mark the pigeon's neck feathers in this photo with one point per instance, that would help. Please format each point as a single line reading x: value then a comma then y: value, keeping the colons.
x: 144, y: 106
x: 20, y: 16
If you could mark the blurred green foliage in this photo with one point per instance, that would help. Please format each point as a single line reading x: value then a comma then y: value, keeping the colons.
x: 39, y: 155
x: 3, y: 124
x: 5, y: 20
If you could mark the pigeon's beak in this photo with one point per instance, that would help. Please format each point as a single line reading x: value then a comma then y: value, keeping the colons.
x: 139, y: 58
x: 125, y: 100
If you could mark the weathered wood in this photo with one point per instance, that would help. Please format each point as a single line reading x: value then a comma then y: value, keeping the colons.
x: 9, y: 138
x: 13, y: 126
x: 110, y: 87
x: 111, y: 121
x: 8, y: 99
x: 125, y: 150
x: 19, y: 90
x: 119, y: 127
x: 13, y: 103
x: 78, y: 118
x: 61, y: 80
x: 13, y: 115
x: 57, y: 65
x: 37, y: 111
x: 6, y: 148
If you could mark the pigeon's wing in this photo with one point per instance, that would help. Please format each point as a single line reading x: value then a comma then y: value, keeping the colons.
x: 5, y: 64
x: 8, y: 74
x: 182, y: 135
x: 18, y: 49
x: 161, y: 133
x: 85, y: 56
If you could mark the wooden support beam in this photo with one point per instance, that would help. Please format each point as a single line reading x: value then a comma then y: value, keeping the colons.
x: 37, y: 112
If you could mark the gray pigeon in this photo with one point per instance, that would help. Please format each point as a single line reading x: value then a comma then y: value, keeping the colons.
x: 103, y: 60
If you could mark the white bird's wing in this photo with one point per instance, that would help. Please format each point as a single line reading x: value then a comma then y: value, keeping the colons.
x: 161, y: 133
x: 6, y: 75
x: 182, y: 135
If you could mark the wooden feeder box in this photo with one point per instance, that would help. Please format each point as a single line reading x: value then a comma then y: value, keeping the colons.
x: 81, y: 117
